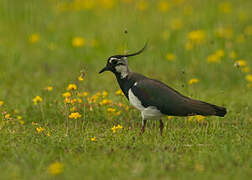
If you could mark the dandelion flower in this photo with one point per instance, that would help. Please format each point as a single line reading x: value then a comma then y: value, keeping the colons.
x: 37, y: 100
x: 245, y: 69
x: 55, y: 168
x: 80, y: 78
x: 66, y: 94
x: 7, y: 116
x: 74, y: 115
x: 104, y: 94
x: 119, y: 92
x: 49, y: 88
x: 200, y: 119
x: 115, y: 128
x: 111, y: 110
x: 71, y: 87
x: 78, y: 41
x: 170, y: 57
x: 1, y: 103
x: 197, y: 36
x: 240, y: 63
x: 93, y: 139
x: 193, y: 81
x: 40, y: 129
x: 34, y: 38
x: 163, y: 6
x: 105, y: 102
x: 249, y: 77
x: 83, y: 94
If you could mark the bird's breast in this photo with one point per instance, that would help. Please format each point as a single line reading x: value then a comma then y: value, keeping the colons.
x: 149, y: 112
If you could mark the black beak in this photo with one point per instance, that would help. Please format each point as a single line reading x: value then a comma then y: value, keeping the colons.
x: 104, y: 69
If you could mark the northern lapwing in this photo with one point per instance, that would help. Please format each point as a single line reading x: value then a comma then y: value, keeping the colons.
x: 153, y: 98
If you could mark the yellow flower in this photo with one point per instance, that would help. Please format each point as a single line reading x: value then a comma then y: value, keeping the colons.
x: 79, y: 100
x: 7, y: 116
x: 74, y: 115
x: 220, y: 53
x: 37, y: 100
x: 83, y: 94
x: 246, y: 69
x: 115, y: 128
x: 66, y: 94
x: 119, y: 126
x: 111, y: 110
x: 232, y: 55
x: 104, y: 94
x: 170, y: 56
x: 225, y: 7
x: 240, y: 63
x: 163, y: 6
x: 40, y: 129
x: 197, y: 36
x: 55, y: 168
x: 49, y: 88
x: 142, y: 5
x: 19, y: 117
x: 93, y: 139
x: 200, y: 119
x: 193, y: 81
x: 71, y: 87
x: 80, y: 78
x: 169, y: 117
x: 1, y: 103
x: 105, y: 102
x: 78, y: 41
x: 249, y: 77
x: 190, y: 119
x: 73, y: 101
x: 34, y: 38
x: 119, y: 92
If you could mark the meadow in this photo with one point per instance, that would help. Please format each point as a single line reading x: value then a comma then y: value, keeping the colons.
x: 60, y: 119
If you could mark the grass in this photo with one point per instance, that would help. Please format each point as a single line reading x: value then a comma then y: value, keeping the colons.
x: 37, y: 51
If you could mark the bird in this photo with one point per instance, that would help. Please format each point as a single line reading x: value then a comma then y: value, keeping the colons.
x: 154, y: 98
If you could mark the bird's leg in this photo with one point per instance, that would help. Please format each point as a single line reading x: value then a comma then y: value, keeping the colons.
x: 161, y: 126
x: 143, y: 126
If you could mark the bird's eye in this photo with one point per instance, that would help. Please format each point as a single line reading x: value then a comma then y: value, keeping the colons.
x: 113, y: 62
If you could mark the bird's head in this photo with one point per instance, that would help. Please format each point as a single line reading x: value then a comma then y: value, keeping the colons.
x: 118, y: 64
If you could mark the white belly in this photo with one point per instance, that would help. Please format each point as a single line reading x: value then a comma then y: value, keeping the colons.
x: 149, y: 112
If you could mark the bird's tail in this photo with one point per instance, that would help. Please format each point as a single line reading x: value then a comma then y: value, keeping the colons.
x: 206, y: 109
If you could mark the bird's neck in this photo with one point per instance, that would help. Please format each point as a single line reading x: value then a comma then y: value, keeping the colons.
x: 125, y: 83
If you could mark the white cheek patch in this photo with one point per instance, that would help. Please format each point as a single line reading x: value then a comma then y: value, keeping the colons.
x: 123, y: 70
